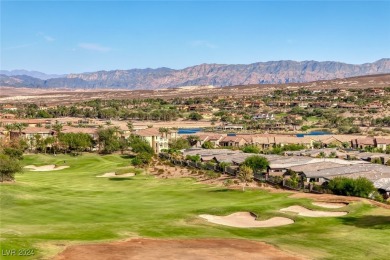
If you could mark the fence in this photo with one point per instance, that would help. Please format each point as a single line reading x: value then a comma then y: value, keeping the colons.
x: 275, y: 180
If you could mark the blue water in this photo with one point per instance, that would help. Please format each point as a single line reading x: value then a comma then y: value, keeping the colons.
x: 188, y: 131
x: 314, y: 133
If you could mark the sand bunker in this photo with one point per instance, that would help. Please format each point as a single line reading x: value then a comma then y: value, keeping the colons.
x: 45, y: 168
x: 330, y: 205
x: 246, y: 220
x: 187, y: 249
x: 113, y: 175
x: 313, y: 213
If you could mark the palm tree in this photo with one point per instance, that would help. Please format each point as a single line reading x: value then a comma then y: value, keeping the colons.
x: 19, y: 127
x: 130, y: 126
x: 193, y: 139
x: 10, y: 127
x: 245, y: 175
x: 163, y: 130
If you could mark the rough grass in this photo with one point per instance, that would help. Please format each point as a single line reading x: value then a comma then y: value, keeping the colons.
x: 49, y: 210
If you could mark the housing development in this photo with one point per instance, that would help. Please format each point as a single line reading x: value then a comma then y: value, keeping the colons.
x: 195, y: 130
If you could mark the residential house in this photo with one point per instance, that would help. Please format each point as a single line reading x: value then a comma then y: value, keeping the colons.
x: 9, y: 107
x: 362, y: 143
x: 30, y: 134
x: 234, y: 141
x: 7, y: 116
x: 264, y: 117
x: 286, y: 140
x: 382, y: 143
x: 230, y: 127
x: 156, y: 139
x: 86, y: 130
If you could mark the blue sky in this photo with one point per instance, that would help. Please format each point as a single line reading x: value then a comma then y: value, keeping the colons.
x: 81, y: 36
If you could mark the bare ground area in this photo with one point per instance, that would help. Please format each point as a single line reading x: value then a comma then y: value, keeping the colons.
x: 170, y: 249
x: 164, y: 171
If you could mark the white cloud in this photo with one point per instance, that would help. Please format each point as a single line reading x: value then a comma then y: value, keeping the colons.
x: 201, y: 43
x: 94, y: 47
x: 47, y: 38
x: 21, y: 46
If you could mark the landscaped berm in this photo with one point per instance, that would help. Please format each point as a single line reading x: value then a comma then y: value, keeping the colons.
x: 71, y: 214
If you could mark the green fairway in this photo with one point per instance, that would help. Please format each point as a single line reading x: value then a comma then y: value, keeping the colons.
x: 48, y: 210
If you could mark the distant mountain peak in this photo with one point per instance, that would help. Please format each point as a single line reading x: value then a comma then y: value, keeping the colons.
x: 31, y: 73
x: 271, y: 72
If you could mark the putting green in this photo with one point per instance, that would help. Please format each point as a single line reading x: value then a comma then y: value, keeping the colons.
x: 48, y: 210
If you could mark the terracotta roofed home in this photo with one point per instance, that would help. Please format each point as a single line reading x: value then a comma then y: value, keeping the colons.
x: 382, y: 143
x: 362, y: 143
x: 234, y: 141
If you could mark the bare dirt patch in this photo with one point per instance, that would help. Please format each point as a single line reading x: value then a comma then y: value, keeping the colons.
x: 113, y: 175
x: 330, y: 205
x: 45, y: 168
x: 189, y: 249
x: 313, y: 213
x: 246, y: 220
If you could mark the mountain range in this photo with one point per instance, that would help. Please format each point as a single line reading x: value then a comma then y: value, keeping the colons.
x: 31, y: 73
x: 272, y: 72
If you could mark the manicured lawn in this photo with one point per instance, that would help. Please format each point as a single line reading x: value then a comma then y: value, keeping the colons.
x: 47, y: 210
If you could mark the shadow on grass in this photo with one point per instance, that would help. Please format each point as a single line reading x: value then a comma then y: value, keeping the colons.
x: 221, y: 190
x: 127, y: 156
x: 119, y: 179
x: 374, y: 222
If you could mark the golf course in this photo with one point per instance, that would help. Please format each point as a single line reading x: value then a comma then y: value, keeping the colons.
x: 47, y: 211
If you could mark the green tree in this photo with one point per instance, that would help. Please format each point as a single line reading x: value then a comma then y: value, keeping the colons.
x: 208, y: 145
x: 251, y: 149
x: 179, y: 144
x: 108, y: 139
x: 257, y: 163
x: 195, y: 116
x: 361, y: 187
x: 142, y: 159
x: 13, y: 152
x: 140, y: 146
x: 193, y: 139
x: 8, y: 167
x: 123, y: 144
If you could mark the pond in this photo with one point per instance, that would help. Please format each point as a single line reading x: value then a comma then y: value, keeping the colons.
x: 188, y: 131
x: 315, y: 133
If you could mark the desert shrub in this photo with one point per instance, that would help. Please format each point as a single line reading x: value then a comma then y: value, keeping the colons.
x: 251, y: 149
x: 212, y: 174
x: 194, y: 158
x: 208, y: 145
x: 376, y: 160
x: 228, y: 182
x: 360, y: 187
